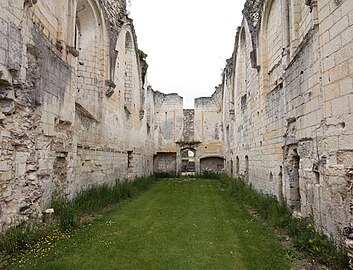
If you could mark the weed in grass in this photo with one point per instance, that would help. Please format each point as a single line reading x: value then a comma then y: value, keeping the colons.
x: 19, y: 237
x: 96, y: 199
x: 66, y: 212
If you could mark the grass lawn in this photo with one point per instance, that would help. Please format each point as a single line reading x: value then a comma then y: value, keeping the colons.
x: 176, y: 224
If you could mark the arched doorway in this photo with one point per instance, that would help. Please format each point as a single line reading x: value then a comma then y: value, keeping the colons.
x: 188, y: 161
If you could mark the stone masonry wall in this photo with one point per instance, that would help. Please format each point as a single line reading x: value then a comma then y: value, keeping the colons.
x: 287, y: 107
x: 65, y: 124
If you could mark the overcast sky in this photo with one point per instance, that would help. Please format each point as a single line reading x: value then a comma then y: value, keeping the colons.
x: 187, y: 42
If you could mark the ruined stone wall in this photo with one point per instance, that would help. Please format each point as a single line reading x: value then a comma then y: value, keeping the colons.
x: 72, y: 102
x: 292, y: 133
x: 188, y: 125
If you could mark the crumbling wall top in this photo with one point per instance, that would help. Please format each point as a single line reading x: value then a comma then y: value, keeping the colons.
x: 253, y: 14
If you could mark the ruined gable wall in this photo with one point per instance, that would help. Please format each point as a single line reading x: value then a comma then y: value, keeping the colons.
x: 293, y: 118
x: 169, y: 121
x: 208, y: 126
x: 168, y: 130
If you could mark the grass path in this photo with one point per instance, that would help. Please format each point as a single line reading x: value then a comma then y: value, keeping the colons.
x: 176, y: 224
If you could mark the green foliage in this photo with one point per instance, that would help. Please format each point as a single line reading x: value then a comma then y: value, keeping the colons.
x: 142, y: 55
x: 165, y: 175
x: 304, y: 236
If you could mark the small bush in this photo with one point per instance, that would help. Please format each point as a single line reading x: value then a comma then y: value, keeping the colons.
x: 304, y: 236
x: 165, y: 175
x: 209, y: 175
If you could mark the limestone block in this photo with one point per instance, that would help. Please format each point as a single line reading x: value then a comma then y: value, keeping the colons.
x: 334, y: 170
x: 346, y: 85
x: 340, y: 106
x: 20, y: 169
x: 7, y: 106
x: 346, y: 142
x: 5, y: 176
x: 4, y: 166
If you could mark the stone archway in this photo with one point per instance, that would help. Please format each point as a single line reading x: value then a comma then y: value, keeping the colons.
x: 188, y: 156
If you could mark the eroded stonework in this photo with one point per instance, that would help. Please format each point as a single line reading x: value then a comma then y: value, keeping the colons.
x: 76, y: 109
x: 72, y: 100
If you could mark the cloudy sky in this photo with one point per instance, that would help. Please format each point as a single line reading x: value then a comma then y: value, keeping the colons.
x: 187, y: 42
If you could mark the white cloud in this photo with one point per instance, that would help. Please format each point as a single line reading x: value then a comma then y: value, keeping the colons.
x: 187, y: 43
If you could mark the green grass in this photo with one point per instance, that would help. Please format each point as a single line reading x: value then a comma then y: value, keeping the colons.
x: 69, y: 214
x: 304, y: 236
x: 177, y: 224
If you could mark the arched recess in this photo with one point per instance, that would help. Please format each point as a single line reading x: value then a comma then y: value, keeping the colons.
x: 89, y: 41
x: 237, y: 167
x: 246, y: 172
x: 274, y: 43
x: 292, y: 164
x: 213, y: 163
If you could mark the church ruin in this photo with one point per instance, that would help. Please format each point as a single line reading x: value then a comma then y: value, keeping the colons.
x: 76, y: 109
